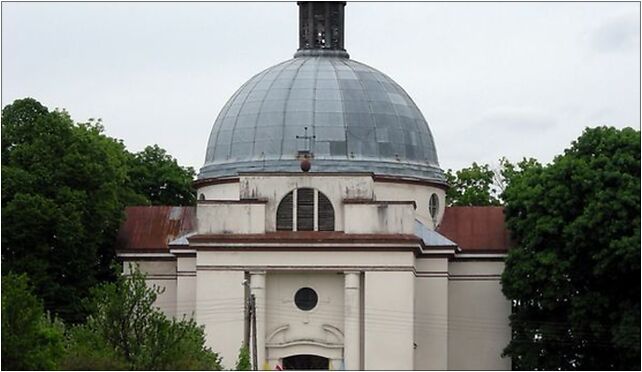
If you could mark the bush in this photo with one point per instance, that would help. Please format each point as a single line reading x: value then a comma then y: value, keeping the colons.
x: 126, y: 331
x: 30, y: 339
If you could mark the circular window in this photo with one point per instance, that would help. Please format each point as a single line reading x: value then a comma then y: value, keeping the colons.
x: 433, y: 205
x: 306, y: 299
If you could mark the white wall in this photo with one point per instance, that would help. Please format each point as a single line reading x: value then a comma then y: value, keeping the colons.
x: 289, y: 325
x: 389, y: 320
x: 419, y: 193
x: 161, y: 274
x: 220, y: 307
x: 321, y: 260
x: 478, y: 327
x: 274, y: 187
x: 379, y: 218
x: 225, y: 218
x: 221, y: 191
x: 185, y: 286
x: 431, y: 314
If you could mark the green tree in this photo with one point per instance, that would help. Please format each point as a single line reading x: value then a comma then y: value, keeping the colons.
x: 472, y: 186
x: 574, y: 274
x: 85, y: 350
x: 157, y: 175
x: 64, y: 188
x: 124, y: 323
x: 62, y: 202
x: 30, y: 340
x: 243, y: 362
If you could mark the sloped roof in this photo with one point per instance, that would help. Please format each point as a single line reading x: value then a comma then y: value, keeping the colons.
x: 151, y: 228
x: 431, y: 238
x: 473, y: 229
x: 476, y: 229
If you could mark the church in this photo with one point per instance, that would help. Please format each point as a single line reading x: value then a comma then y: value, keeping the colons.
x: 322, y: 203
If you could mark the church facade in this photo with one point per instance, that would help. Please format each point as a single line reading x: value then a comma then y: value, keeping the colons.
x: 321, y: 199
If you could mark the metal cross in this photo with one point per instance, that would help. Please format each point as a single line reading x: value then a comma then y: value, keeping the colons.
x: 307, y: 138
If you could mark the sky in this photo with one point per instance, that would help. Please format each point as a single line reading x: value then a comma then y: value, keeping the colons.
x: 493, y: 80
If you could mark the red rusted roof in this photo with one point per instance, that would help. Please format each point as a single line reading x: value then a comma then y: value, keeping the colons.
x: 476, y: 229
x: 151, y: 228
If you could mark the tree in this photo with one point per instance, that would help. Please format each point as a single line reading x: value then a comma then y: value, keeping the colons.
x: 64, y: 188
x: 574, y: 274
x: 472, y: 186
x: 125, y: 324
x: 62, y: 203
x: 30, y: 340
x: 243, y: 363
x: 157, y: 175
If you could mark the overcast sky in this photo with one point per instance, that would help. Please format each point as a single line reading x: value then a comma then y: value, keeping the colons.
x: 492, y: 79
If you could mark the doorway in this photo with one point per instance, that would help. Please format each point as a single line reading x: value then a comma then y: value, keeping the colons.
x: 306, y: 361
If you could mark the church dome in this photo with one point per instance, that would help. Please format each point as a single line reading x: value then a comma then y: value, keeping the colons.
x: 350, y: 116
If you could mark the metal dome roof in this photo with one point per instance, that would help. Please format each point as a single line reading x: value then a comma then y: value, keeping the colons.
x: 361, y: 120
x: 351, y: 117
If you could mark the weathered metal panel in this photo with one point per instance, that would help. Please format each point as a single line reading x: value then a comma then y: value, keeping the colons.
x: 476, y: 228
x: 359, y: 118
x: 153, y: 227
x: 430, y: 237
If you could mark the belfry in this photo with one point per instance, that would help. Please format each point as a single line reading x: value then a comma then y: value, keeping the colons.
x: 322, y: 204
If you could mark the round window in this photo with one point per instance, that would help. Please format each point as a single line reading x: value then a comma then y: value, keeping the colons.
x: 306, y: 299
x: 433, y: 205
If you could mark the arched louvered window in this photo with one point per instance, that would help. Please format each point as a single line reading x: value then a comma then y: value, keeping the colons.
x: 284, y: 213
x: 326, y: 213
x: 305, y: 209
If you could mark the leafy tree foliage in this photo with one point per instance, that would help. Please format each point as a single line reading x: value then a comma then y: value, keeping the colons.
x: 61, y: 202
x: 156, y: 175
x: 243, y: 363
x: 64, y: 189
x: 472, y: 186
x: 574, y: 275
x: 87, y: 351
x: 125, y: 329
x: 30, y: 340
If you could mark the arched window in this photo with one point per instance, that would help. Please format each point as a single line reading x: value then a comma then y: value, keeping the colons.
x: 305, y: 209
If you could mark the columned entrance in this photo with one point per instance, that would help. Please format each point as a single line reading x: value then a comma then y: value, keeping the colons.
x: 305, y: 361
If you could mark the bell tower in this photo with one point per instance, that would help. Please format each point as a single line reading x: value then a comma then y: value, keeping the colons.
x: 321, y: 27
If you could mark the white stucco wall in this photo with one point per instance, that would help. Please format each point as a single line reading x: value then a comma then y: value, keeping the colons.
x: 319, y: 260
x: 224, y: 218
x: 220, y: 307
x: 431, y: 314
x: 274, y: 187
x: 478, y: 327
x: 389, y: 320
x: 161, y: 274
x: 291, y: 330
x: 185, y: 286
x: 420, y: 194
x: 221, y: 191
x: 379, y: 218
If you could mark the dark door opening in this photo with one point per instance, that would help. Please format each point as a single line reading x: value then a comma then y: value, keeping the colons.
x: 305, y: 361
